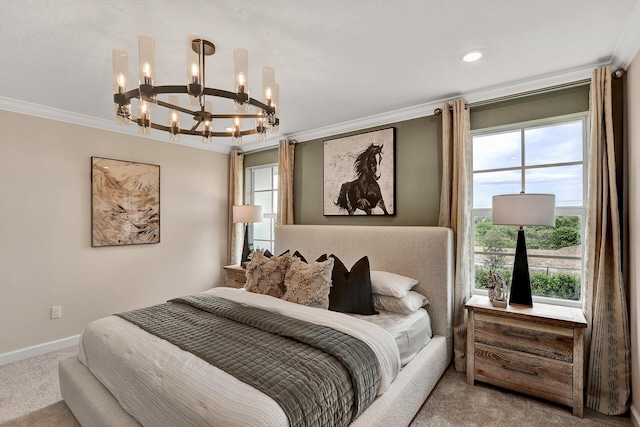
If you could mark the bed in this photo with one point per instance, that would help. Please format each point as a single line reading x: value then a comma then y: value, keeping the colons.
x: 423, y: 253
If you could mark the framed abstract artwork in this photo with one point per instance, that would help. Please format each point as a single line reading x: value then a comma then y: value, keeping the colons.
x: 359, y: 174
x: 125, y: 203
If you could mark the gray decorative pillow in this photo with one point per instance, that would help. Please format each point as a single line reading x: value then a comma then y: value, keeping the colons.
x: 309, y: 284
x: 267, y: 275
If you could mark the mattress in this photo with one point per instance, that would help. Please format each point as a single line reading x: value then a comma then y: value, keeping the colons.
x: 411, y: 332
x: 156, y: 382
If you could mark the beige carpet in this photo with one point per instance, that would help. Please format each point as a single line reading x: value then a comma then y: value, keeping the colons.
x: 32, y: 388
x: 31, y: 384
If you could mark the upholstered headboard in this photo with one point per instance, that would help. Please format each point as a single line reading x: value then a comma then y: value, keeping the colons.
x: 424, y: 253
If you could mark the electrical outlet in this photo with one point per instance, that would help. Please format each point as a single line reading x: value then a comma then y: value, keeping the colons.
x: 56, y: 312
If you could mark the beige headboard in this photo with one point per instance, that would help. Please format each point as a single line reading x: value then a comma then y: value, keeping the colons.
x: 424, y: 253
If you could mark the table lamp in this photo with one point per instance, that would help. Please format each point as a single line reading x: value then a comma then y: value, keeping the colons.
x: 523, y: 210
x: 246, y: 214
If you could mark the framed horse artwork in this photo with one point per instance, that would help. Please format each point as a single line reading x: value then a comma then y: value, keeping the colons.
x: 359, y: 174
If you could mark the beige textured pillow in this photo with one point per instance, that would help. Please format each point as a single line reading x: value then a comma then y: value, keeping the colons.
x: 267, y: 275
x: 309, y: 284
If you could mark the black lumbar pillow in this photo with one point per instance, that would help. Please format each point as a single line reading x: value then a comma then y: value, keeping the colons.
x: 351, y: 290
x: 270, y: 255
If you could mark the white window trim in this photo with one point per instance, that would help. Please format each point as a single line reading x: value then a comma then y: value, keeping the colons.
x: 560, y: 210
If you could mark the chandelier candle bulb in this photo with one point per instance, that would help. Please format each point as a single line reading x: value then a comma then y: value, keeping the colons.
x: 194, y: 74
x: 120, y: 81
x: 147, y: 59
x: 274, y: 122
x: 121, y: 84
x: 236, y: 137
x: 144, y: 124
x: 268, y: 80
x: 240, y: 83
x: 174, y: 119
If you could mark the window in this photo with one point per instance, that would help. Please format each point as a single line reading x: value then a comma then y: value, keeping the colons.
x: 545, y: 156
x: 262, y: 189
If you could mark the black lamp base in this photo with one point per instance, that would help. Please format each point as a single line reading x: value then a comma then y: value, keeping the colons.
x: 520, y: 282
x: 246, y: 250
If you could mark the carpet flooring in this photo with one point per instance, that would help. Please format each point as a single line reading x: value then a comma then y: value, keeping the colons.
x: 30, y: 397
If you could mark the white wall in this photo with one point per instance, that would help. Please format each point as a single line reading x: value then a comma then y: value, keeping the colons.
x: 633, y: 129
x: 46, y: 258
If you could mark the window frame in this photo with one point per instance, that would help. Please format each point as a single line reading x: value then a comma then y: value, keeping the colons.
x: 250, y: 193
x: 580, y: 212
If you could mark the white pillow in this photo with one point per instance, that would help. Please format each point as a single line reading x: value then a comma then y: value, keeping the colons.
x: 405, y: 305
x: 391, y: 284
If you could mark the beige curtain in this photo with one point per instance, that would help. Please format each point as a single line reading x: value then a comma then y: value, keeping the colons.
x: 236, y: 197
x: 286, y: 158
x: 607, y: 337
x: 455, y: 212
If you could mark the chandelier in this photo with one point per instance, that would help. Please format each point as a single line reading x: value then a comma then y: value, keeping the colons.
x: 199, y: 97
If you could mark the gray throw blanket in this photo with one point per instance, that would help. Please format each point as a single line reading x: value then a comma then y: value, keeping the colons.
x: 319, y: 376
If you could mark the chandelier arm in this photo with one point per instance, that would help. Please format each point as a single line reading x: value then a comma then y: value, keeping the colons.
x: 170, y: 89
x: 192, y: 132
x: 233, y: 116
x: 125, y: 98
x: 176, y: 107
x: 195, y: 125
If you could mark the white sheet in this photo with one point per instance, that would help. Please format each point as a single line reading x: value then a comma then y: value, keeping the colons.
x: 160, y: 384
x: 410, y: 331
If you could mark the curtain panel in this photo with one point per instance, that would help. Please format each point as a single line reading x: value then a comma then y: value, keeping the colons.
x: 607, y: 338
x: 286, y: 158
x: 455, y: 213
x: 236, y: 197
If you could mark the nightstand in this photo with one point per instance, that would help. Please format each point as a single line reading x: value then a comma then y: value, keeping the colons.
x: 234, y: 276
x: 533, y: 350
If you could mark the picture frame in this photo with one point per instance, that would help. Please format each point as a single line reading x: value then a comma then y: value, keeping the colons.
x: 359, y: 174
x: 125, y: 202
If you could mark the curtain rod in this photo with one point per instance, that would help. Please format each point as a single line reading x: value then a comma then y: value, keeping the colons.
x: 616, y: 75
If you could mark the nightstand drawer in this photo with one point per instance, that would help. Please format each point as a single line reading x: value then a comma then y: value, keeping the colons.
x: 522, y: 371
x: 235, y: 277
x: 543, y: 340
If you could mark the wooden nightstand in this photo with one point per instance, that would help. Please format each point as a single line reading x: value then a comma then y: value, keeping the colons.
x: 235, y: 276
x: 534, y: 350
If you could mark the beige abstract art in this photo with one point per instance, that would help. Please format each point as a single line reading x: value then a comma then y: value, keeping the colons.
x: 125, y: 203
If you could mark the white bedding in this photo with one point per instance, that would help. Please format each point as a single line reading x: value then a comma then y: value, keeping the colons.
x: 410, y: 331
x: 160, y: 384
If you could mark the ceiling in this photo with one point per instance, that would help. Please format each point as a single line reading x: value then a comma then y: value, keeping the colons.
x: 341, y: 65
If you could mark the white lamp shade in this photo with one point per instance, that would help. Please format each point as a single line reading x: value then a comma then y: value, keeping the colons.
x: 524, y: 209
x: 247, y: 213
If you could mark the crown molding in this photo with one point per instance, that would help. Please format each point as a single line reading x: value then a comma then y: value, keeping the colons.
x: 629, y: 42
x: 44, y: 112
x: 426, y: 109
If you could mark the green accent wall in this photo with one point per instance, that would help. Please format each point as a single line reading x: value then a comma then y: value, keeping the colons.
x: 552, y: 104
x: 260, y: 158
x: 418, y: 159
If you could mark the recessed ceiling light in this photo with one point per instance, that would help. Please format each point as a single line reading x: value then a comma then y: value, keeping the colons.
x: 471, y: 56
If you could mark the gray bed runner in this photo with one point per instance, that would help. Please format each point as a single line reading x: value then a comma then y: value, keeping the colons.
x: 319, y: 376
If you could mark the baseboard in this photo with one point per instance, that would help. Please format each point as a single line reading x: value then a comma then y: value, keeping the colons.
x: 635, y: 417
x: 36, y: 350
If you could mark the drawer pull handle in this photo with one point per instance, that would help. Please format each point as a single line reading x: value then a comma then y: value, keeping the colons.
x: 524, y: 337
x: 508, y: 368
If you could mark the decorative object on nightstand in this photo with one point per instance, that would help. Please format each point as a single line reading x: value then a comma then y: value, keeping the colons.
x: 235, y: 276
x: 497, y: 287
x: 523, y: 210
x: 533, y: 350
x: 247, y: 214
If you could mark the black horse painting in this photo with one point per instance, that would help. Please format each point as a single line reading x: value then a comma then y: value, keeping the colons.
x: 364, y: 192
